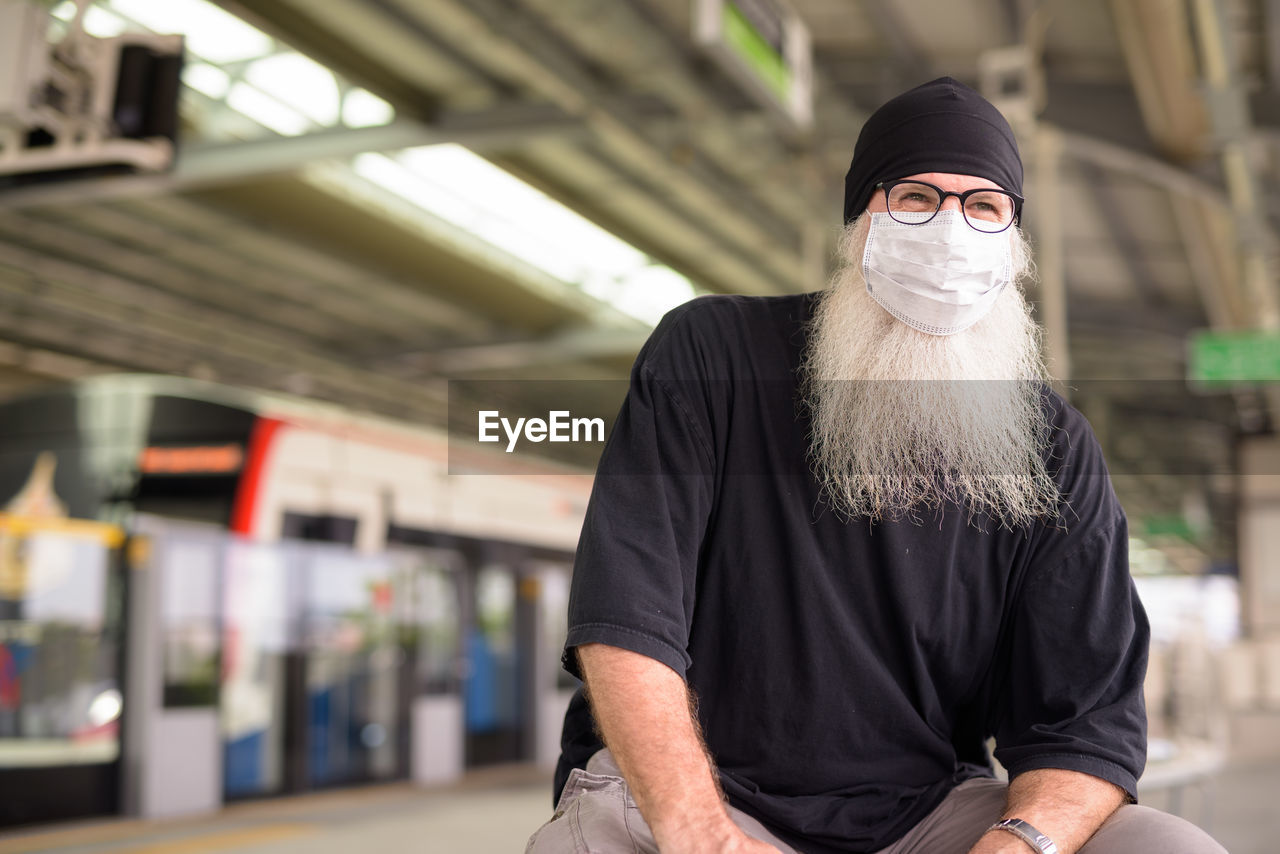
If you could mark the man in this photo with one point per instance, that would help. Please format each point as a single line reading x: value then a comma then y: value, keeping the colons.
x: 838, y: 541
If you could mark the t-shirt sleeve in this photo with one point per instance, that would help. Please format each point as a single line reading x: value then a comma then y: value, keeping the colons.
x: 635, y: 570
x: 1072, y: 694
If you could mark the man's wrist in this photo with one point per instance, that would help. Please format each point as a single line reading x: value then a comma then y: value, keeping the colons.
x: 696, y: 834
x: 1034, y: 839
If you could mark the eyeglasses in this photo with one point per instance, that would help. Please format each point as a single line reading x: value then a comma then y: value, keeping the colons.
x: 916, y: 202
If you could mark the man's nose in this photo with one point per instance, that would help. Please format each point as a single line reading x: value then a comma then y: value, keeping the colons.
x: 951, y: 203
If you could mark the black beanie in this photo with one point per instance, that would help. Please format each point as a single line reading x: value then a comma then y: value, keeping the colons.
x: 941, y: 126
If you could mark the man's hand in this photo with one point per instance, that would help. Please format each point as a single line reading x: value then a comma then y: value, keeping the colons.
x: 1066, y: 806
x: 746, y: 845
x: 730, y: 840
x: 642, y: 709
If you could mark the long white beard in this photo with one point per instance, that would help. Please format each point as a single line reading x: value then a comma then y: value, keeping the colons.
x: 904, y: 422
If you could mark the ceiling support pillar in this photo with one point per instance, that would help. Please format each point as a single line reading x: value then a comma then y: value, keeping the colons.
x: 1050, y: 260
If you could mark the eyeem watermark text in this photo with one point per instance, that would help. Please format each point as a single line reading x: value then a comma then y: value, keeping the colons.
x: 558, y: 426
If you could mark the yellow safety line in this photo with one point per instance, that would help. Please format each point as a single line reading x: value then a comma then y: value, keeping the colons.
x: 223, y: 841
x: 93, y: 834
x: 109, y: 535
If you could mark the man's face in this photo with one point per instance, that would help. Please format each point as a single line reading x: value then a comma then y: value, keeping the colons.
x: 903, y: 420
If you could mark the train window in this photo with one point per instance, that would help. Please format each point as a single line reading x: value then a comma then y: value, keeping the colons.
x: 319, y: 528
x: 197, y: 498
x: 60, y: 698
x: 430, y: 625
x: 189, y: 621
x: 555, y: 619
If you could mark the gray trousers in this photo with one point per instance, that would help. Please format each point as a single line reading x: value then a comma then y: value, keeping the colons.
x: 596, y: 815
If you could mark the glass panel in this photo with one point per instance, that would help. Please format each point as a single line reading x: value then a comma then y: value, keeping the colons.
x: 428, y: 615
x: 555, y: 620
x: 60, y: 699
x: 188, y: 618
x: 490, y: 691
x: 254, y: 638
x: 353, y: 661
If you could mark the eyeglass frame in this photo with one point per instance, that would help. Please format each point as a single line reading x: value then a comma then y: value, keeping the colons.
x: 963, y: 197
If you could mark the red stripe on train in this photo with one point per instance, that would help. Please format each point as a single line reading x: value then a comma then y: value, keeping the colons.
x: 247, y: 493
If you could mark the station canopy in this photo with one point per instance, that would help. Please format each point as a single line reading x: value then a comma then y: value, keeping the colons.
x: 376, y: 197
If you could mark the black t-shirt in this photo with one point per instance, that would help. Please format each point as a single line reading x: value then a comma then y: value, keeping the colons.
x: 848, y: 672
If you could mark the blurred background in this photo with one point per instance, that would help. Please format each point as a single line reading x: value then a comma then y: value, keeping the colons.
x: 261, y: 263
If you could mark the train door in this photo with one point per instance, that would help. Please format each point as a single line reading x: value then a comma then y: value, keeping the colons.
x: 429, y: 612
x: 493, y: 712
x: 552, y: 686
x: 353, y: 672
x: 172, y: 691
x: 259, y: 609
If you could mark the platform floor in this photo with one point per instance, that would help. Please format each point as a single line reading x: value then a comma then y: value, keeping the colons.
x: 493, y: 812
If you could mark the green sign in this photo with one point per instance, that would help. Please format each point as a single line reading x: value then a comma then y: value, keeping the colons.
x: 1234, y: 357
x: 763, y: 46
x: 756, y: 51
x: 1168, y: 526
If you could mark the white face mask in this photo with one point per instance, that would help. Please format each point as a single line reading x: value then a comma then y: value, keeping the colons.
x: 940, y: 277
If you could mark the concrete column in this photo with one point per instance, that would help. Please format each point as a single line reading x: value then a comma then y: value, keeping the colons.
x: 1050, y: 259
x: 173, y: 756
x: 814, y: 251
x: 437, y: 738
x: 1259, y: 537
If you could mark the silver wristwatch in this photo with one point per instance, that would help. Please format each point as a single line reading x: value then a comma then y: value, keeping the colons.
x: 1027, y: 834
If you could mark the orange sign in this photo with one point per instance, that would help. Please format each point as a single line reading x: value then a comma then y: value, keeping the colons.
x: 204, y: 459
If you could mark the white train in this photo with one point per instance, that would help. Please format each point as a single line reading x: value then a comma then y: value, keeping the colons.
x: 313, y: 599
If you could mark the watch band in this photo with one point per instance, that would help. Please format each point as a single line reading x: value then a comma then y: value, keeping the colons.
x: 1027, y: 834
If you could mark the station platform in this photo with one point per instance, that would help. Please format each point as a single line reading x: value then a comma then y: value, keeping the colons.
x: 493, y: 812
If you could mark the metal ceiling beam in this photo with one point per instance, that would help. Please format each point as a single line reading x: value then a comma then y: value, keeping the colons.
x: 1207, y: 238
x: 1103, y: 110
x: 27, y: 249
x: 886, y: 15
x: 252, y: 253
x: 565, y: 347
x: 498, y: 128
x: 1016, y: 15
x: 723, y: 207
x: 1229, y: 113
x: 1155, y: 36
x: 206, y: 164
x: 1271, y: 33
x: 1111, y: 111
x: 1153, y: 171
x: 1192, y: 192
x: 48, y: 363
x: 1164, y: 320
x: 201, y: 291
x: 103, y: 302
x: 1121, y: 232
x: 506, y: 71
x: 636, y: 210
x: 27, y: 322
x: 764, y: 156
x: 573, y: 303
